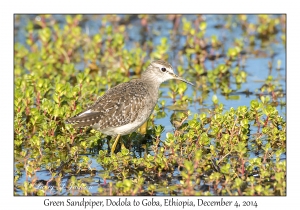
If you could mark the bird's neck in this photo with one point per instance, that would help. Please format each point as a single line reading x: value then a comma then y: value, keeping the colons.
x: 152, y: 79
x: 152, y: 86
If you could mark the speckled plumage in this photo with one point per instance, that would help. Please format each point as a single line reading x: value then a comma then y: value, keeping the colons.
x: 125, y: 107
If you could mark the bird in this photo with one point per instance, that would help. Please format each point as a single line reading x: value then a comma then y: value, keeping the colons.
x: 127, y: 106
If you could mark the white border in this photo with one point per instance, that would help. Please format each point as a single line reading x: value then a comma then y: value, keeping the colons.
x: 138, y: 7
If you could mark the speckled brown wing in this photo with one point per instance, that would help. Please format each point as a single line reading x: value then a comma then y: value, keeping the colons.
x: 119, y: 106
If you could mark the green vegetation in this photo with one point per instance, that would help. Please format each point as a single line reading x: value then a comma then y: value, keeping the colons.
x: 214, y: 149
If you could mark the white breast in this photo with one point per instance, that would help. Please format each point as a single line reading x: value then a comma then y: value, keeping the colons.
x: 123, y: 130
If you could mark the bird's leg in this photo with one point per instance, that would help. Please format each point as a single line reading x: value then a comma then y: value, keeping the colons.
x: 115, y: 144
x: 122, y: 146
x: 143, y: 128
x: 122, y: 142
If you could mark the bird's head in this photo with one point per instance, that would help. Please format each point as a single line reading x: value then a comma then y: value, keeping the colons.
x: 161, y: 71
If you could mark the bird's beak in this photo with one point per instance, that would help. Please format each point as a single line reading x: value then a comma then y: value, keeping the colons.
x: 180, y: 78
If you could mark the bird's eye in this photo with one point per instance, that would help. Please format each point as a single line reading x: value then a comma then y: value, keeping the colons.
x: 163, y: 69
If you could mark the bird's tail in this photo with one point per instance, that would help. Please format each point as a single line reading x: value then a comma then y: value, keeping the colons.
x: 83, y: 120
